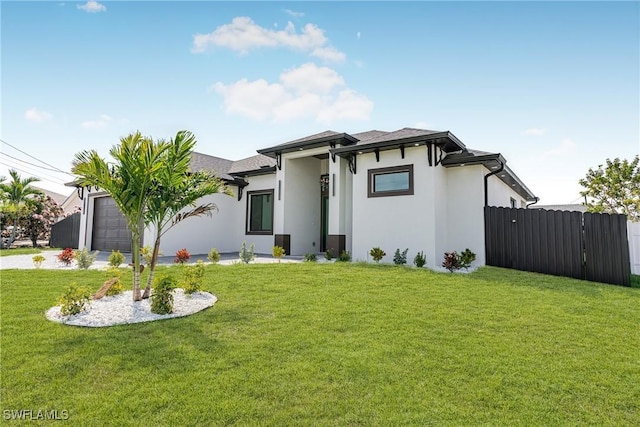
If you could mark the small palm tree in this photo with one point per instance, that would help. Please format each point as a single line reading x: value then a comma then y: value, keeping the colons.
x: 15, y: 193
x: 175, y: 188
x: 130, y: 182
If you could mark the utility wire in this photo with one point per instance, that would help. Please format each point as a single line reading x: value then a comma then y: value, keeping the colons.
x: 31, y: 164
x: 35, y: 158
x: 50, y: 179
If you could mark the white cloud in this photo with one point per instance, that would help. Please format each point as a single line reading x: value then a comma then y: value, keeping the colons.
x: 329, y: 54
x: 242, y: 35
x: 293, y: 13
x: 566, y: 146
x: 534, y: 132
x: 37, y: 116
x: 308, y: 91
x: 93, y: 7
x: 100, y: 123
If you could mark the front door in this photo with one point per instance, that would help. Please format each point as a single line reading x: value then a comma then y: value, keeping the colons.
x: 324, y: 216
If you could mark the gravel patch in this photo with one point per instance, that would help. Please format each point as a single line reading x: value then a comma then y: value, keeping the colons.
x: 121, y: 309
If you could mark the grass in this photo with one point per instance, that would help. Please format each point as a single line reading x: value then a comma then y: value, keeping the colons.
x: 333, y: 345
x: 24, y: 251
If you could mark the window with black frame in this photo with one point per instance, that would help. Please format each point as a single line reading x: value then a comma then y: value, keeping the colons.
x: 392, y: 181
x: 260, y: 212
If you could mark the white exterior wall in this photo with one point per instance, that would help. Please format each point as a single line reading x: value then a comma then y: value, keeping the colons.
x: 263, y: 244
x: 395, y: 222
x: 86, y: 218
x: 302, y: 203
x: 500, y: 194
x: 465, y: 211
x: 199, y: 234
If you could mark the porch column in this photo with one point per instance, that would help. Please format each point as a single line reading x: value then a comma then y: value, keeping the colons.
x: 337, y: 240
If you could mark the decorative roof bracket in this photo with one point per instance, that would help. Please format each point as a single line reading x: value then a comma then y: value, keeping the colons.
x: 352, y: 163
x: 332, y: 145
x: 430, y: 153
x: 377, y: 151
x: 279, y: 160
x: 402, y: 151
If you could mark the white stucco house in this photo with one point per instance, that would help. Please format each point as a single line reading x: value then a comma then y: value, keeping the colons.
x: 411, y: 188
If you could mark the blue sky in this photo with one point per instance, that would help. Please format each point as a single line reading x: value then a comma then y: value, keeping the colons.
x: 553, y: 86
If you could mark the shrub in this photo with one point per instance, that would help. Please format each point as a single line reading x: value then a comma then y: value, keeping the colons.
x: 85, y: 258
x: 377, y: 254
x: 451, y: 261
x: 278, y: 252
x: 66, y: 256
x: 246, y: 255
x: 213, y: 256
x: 193, y: 277
x: 117, y: 288
x: 344, y: 256
x: 454, y: 261
x: 74, y: 300
x: 182, y: 256
x: 466, y: 258
x: 162, y: 298
x: 420, y: 260
x: 147, y: 254
x: 115, y: 258
x: 38, y: 260
x: 400, y: 258
x: 328, y: 255
x: 310, y: 257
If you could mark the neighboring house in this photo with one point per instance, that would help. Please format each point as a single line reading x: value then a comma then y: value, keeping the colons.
x: 412, y: 188
x: 569, y: 207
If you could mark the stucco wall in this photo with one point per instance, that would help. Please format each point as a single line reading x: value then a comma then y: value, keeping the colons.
x: 395, y: 222
x: 465, y: 212
x: 199, y: 234
x: 500, y: 194
x: 263, y: 244
x: 302, y: 204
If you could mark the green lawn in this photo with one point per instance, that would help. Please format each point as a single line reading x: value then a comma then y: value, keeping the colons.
x: 19, y: 251
x: 335, y: 345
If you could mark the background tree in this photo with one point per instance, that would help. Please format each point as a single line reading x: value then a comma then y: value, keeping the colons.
x: 614, y: 188
x: 42, y: 213
x: 129, y: 180
x: 15, y: 194
x: 175, y: 188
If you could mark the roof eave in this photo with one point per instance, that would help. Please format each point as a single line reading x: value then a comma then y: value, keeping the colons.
x: 343, y: 139
x: 446, y: 140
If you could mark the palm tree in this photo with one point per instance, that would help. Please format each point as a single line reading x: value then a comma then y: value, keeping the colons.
x: 129, y: 181
x: 16, y: 193
x: 177, y: 188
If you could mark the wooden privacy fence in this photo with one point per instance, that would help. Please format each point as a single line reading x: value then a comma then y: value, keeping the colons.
x: 562, y: 243
x: 66, y: 233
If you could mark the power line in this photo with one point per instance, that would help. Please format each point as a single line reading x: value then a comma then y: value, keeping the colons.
x: 32, y: 164
x: 35, y: 158
x: 50, y: 179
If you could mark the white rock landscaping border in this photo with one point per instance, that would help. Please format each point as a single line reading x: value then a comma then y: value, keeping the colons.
x: 122, y: 310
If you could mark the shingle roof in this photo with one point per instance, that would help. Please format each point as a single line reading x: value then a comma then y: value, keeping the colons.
x: 398, y: 134
x: 364, y: 136
x: 220, y: 166
x: 252, y: 164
